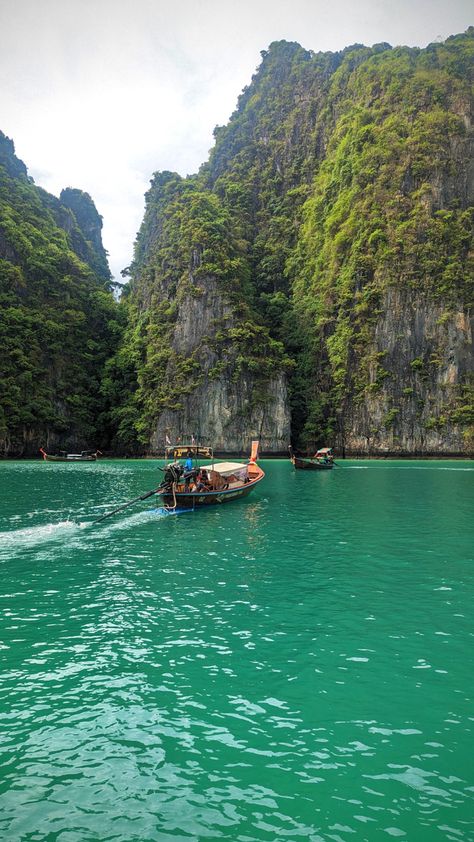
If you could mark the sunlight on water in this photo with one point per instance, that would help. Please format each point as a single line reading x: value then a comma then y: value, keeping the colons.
x: 291, y: 666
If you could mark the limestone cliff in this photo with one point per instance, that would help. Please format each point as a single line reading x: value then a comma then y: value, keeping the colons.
x: 416, y: 407
x: 85, y: 217
x: 209, y: 368
x: 423, y: 336
x: 384, y: 275
x: 227, y: 406
x: 315, y: 278
x: 57, y: 319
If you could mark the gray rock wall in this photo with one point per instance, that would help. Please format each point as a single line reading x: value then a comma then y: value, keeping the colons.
x: 428, y: 355
x: 226, y: 409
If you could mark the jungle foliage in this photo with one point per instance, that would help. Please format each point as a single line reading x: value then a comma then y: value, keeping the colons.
x: 338, y: 176
x: 59, y: 322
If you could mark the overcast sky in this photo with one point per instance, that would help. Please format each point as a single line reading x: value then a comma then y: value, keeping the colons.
x: 99, y: 94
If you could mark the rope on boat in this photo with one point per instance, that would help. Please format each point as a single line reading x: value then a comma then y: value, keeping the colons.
x: 171, y: 508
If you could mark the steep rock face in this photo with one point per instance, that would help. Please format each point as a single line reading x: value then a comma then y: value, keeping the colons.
x: 207, y: 366
x: 426, y: 355
x: 74, y: 212
x: 321, y: 260
x: 226, y: 414
x: 226, y: 407
x: 422, y: 343
x: 382, y: 276
x: 57, y: 321
x: 13, y: 166
x: 89, y: 247
x: 452, y: 180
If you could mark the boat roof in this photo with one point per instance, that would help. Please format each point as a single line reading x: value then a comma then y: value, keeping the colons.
x: 226, y: 467
x: 324, y: 450
x: 180, y: 450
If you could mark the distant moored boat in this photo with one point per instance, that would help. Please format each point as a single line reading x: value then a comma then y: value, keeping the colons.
x: 322, y: 460
x: 62, y: 456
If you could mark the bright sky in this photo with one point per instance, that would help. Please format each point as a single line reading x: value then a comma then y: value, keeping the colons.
x: 100, y: 94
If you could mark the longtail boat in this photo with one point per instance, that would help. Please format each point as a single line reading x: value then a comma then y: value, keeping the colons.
x: 184, y: 487
x: 180, y: 451
x: 62, y: 456
x: 323, y: 460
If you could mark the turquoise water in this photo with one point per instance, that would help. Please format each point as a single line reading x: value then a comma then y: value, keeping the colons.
x: 293, y: 666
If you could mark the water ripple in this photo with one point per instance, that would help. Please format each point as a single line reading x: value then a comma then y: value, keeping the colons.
x: 269, y: 672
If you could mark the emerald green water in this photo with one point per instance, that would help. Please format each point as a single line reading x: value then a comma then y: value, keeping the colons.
x: 293, y: 666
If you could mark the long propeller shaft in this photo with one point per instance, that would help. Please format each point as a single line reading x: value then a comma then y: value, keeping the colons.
x: 126, y: 505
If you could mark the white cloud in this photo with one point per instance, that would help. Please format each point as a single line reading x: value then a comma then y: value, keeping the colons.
x: 99, y: 94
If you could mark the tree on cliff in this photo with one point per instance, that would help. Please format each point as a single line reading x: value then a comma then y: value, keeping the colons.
x: 340, y: 184
x: 58, y: 317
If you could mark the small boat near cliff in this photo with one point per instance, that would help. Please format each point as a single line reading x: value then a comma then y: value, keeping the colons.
x: 62, y: 456
x: 184, y: 487
x: 323, y: 460
x: 181, y: 451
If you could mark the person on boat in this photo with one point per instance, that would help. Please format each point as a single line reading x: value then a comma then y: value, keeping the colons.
x: 202, y: 483
x: 188, y: 471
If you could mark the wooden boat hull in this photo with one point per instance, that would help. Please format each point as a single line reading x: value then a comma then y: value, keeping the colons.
x: 311, y: 464
x: 197, y: 499
x: 70, y: 457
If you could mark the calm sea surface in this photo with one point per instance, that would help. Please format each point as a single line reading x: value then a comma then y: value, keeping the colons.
x: 293, y: 666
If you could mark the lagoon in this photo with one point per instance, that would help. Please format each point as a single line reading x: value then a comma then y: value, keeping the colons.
x: 294, y: 665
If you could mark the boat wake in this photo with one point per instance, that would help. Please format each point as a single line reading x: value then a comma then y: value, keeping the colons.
x: 16, y: 541
x: 120, y: 523
x: 162, y: 512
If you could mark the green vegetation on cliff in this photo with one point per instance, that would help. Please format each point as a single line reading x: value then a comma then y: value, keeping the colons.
x: 58, y: 318
x: 338, y: 178
x: 187, y: 238
x: 326, y: 243
x: 390, y: 207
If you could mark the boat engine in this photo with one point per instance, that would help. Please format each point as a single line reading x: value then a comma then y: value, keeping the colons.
x: 172, y: 474
x: 191, y: 475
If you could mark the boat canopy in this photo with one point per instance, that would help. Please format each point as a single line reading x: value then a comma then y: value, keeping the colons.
x: 225, y: 469
x: 179, y: 451
x: 324, y: 451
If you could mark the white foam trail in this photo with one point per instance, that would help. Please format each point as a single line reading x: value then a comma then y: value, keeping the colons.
x: 14, y: 542
x: 17, y: 540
